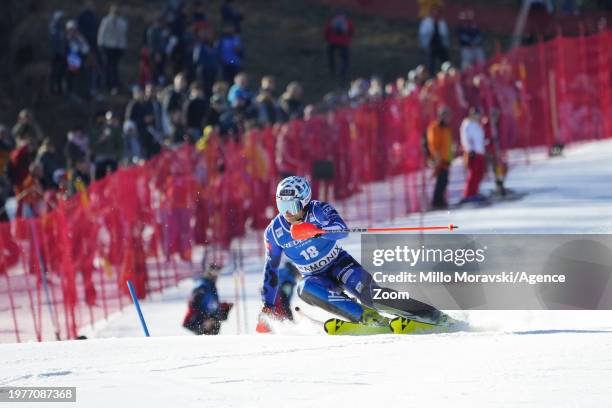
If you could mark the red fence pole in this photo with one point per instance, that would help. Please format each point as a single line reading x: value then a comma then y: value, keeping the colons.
x: 103, y: 290
x: 604, y: 38
x: 544, y: 81
x: 4, y: 268
x: 12, y: 303
x: 525, y: 113
x: 584, y: 100
x: 561, y: 93
x: 30, y: 297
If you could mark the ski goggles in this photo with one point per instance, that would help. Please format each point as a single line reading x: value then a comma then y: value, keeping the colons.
x: 291, y: 206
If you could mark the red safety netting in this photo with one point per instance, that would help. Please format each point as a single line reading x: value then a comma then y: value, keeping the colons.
x: 67, y: 268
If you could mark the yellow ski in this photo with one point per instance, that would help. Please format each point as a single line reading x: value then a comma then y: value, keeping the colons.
x: 401, y: 325
x: 337, y: 327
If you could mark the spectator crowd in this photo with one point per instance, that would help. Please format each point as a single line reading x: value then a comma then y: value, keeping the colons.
x: 192, y: 86
x: 207, y: 91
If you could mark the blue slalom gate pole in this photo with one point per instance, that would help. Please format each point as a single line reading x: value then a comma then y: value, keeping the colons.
x: 137, y: 304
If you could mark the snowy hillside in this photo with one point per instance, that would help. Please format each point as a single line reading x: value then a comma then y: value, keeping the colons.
x: 531, y: 358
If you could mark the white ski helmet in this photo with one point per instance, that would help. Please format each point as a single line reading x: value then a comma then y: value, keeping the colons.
x: 292, y: 195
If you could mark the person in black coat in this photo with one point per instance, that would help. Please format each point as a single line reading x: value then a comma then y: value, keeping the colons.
x: 195, y: 110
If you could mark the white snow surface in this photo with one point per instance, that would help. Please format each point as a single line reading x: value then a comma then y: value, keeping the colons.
x: 516, y: 358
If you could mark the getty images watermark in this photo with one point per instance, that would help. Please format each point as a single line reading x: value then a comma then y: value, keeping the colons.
x: 456, y: 271
x: 458, y: 257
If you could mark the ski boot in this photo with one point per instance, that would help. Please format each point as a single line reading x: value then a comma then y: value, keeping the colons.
x: 371, y: 317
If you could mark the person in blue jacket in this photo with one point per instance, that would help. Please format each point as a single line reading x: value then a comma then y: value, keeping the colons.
x: 331, y: 279
x: 205, y: 313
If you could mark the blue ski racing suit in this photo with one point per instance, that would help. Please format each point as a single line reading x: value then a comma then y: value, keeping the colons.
x: 329, y: 273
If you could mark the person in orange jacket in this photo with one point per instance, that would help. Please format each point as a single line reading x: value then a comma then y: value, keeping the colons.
x: 440, y: 147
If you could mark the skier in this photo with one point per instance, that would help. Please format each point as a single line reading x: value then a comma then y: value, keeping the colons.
x: 332, y: 280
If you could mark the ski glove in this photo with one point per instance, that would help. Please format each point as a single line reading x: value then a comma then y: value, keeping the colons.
x: 267, y: 311
x: 305, y: 230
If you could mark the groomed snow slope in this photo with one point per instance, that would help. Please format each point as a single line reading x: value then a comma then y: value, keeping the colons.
x: 461, y: 370
x: 531, y: 359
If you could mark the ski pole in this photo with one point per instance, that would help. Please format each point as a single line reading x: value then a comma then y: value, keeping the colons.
x: 243, y: 299
x: 43, y: 274
x: 450, y: 227
x: 135, y: 300
x: 236, y: 290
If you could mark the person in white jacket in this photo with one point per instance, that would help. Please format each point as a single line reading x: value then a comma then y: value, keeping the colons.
x: 112, y: 40
x: 473, y: 144
x: 434, y: 40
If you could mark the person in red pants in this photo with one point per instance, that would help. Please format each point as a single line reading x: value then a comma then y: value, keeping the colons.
x: 473, y: 144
